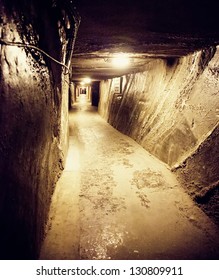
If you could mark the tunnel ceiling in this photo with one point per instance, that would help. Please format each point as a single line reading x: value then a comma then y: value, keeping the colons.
x: 142, y: 28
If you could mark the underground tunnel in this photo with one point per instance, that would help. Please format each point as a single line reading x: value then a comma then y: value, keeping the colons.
x: 109, y: 129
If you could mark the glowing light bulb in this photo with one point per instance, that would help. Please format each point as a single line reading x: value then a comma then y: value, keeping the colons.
x: 87, y: 80
x: 120, y: 60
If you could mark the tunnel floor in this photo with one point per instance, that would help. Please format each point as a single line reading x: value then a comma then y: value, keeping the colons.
x: 116, y: 201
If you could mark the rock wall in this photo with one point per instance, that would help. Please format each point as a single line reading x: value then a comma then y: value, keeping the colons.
x: 33, y: 122
x: 171, y: 108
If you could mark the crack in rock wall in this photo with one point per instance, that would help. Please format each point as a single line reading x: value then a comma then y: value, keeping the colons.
x: 171, y: 109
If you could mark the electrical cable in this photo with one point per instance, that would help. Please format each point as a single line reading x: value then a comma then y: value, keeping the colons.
x: 18, y: 44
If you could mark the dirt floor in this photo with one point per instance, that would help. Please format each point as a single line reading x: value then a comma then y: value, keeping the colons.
x: 116, y: 201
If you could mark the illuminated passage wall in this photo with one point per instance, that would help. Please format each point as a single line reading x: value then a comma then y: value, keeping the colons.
x: 33, y: 123
x: 171, y: 108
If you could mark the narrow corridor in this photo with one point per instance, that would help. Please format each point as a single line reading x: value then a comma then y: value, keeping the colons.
x: 116, y: 201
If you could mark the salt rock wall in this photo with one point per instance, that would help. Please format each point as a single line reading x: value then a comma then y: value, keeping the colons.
x: 33, y: 126
x: 171, y: 108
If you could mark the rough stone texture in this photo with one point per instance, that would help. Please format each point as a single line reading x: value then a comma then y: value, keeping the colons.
x: 154, y: 26
x: 171, y: 109
x: 117, y: 201
x: 142, y: 28
x: 72, y: 94
x: 32, y: 123
x: 199, y: 175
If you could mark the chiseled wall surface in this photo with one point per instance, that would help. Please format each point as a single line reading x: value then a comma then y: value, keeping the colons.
x: 33, y: 132
x: 172, y: 110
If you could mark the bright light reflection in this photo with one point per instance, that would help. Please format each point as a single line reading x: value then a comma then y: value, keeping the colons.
x: 83, y: 99
x: 73, y: 160
x: 121, y: 60
x: 109, y: 238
